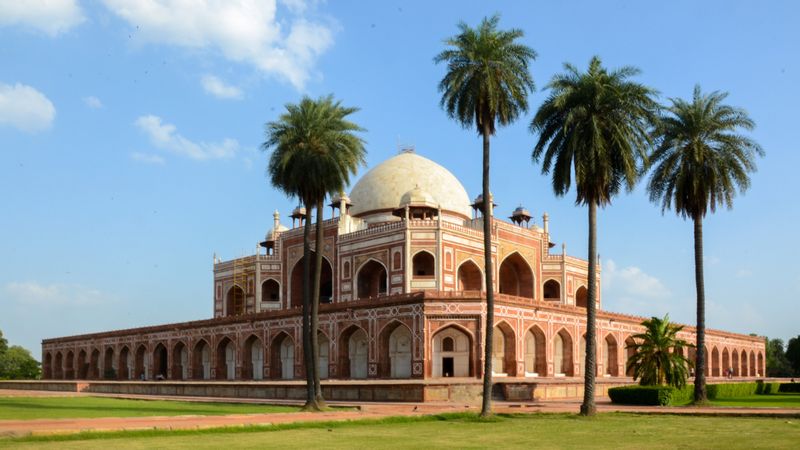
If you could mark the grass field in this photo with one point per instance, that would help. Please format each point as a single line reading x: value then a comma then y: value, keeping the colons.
x: 611, y: 430
x: 24, y: 408
x: 788, y: 400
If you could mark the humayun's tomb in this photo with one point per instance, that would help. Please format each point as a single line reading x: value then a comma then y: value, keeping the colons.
x: 401, y: 305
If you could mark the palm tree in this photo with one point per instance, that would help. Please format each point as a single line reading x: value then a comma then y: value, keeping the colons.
x: 658, y: 354
x: 315, y: 151
x: 700, y: 161
x: 596, y: 125
x: 486, y: 84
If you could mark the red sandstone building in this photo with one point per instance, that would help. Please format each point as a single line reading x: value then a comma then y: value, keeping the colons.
x: 401, y: 298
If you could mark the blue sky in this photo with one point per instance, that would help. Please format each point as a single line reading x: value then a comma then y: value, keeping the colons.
x: 130, y: 133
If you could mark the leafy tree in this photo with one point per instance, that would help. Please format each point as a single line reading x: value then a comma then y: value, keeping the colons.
x: 595, y: 125
x: 793, y: 355
x: 777, y: 364
x: 658, y: 354
x: 314, y: 152
x: 16, y: 363
x: 487, y: 84
x: 700, y: 161
x: 3, y: 343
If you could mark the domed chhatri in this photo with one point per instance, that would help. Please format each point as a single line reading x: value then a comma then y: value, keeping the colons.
x: 380, y: 190
x: 402, y: 295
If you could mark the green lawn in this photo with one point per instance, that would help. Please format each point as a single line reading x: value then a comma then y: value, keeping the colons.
x: 612, y: 430
x: 788, y: 400
x: 23, y: 408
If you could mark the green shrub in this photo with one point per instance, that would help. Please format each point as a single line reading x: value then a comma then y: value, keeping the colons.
x: 789, y: 387
x: 728, y: 390
x: 767, y: 388
x: 650, y: 395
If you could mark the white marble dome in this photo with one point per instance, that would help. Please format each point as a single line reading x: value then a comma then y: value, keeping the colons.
x: 381, y: 189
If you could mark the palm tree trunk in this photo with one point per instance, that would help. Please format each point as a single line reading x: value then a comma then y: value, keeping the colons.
x: 588, y: 406
x: 311, y: 402
x: 700, y: 367
x: 315, y: 305
x: 486, y: 407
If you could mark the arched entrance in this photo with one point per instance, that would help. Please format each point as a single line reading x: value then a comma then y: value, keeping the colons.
x: 715, y: 370
x: 94, y: 365
x: 357, y: 348
x: 581, y: 296
x: 83, y: 365
x: 201, y: 361
x: 253, y: 359
x: 180, y: 361
x: 234, y: 301
x: 737, y: 370
x: 726, y: 362
x: 503, y: 350
x: 323, y: 354
x: 630, y: 350
x: 745, y: 364
x: 296, y: 282
x: 552, y: 290
x: 452, y: 353
x: 371, y: 280
x: 399, y: 352
x: 69, y: 366
x: 516, y: 277
x: 611, y: 350
x: 562, y: 354
x: 535, y: 353
x: 226, y: 360
x: 58, y: 369
x: 470, y: 277
x: 160, y: 362
x: 282, y: 357
x: 140, y: 366
x: 47, y: 366
x: 270, y: 291
x: 423, y: 266
x: 124, y: 364
x: 109, y: 371
x: 760, y: 365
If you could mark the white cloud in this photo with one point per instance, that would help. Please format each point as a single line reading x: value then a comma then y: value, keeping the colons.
x: 147, y: 158
x: 220, y: 89
x: 25, y: 108
x: 243, y: 31
x: 295, y: 6
x: 93, y: 102
x: 49, y: 16
x: 164, y: 136
x: 35, y: 294
x: 632, y: 281
x: 744, y: 273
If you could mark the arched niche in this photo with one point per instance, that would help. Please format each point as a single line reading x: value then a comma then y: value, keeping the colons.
x: 372, y: 280
x: 470, y: 277
x: 552, y: 290
x: 535, y: 352
x: 296, y: 282
x: 234, y: 301
x: 452, y: 353
x: 423, y: 265
x: 516, y: 277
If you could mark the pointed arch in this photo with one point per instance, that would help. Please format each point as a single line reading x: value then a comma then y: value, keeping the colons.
x: 760, y: 365
x: 270, y: 291
x: 69, y: 365
x: 630, y: 350
x: 47, y: 366
x: 372, y: 279
x: 235, y: 301
x: 109, y: 370
x: 504, y: 357
x: 737, y: 368
x: 552, y: 290
x: 516, y: 276
x: 201, y: 360
x: 715, y: 369
x: 469, y: 276
x: 452, y: 352
x: 353, y: 347
x: 180, y: 361
x: 83, y: 365
x: 282, y: 356
x: 323, y: 354
x: 423, y: 264
x: 253, y: 358
x: 94, y: 365
x: 535, y: 352
x: 394, y: 350
x: 726, y: 362
x: 296, y: 281
x: 581, y: 296
x: 226, y: 359
x: 58, y: 366
x: 124, y: 364
x: 562, y: 354
x: 140, y: 363
x: 612, y: 355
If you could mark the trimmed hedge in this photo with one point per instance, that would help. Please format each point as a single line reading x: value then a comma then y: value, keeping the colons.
x: 665, y: 395
x: 789, y: 387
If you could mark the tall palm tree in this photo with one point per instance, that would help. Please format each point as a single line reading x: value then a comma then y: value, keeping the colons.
x: 486, y: 84
x: 700, y: 161
x: 595, y: 125
x: 657, y: 357
x: 315, y: 151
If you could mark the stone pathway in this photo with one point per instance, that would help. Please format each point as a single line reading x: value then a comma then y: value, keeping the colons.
x: 362, y: 411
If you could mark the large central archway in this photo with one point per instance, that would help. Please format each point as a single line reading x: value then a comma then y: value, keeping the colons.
x: 372, y: 280
x: 516, y: 277
x: 470, y: 277
x: 296, y: 283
